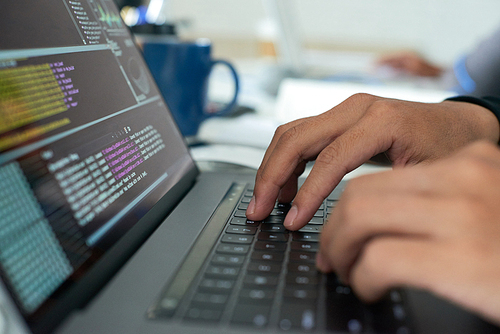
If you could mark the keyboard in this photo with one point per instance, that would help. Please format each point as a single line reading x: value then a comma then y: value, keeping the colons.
x: 259, y: 274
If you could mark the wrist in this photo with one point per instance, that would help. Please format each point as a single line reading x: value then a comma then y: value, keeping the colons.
x: 483, y: 114
x: 482, y: 122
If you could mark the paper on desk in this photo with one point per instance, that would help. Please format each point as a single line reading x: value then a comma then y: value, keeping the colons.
x: 299, y: 98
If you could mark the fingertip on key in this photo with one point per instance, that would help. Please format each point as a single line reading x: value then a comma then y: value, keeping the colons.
x: 290, y: 217
x: 251, y: 206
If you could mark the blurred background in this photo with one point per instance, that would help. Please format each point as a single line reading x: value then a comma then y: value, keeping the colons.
x: 440, y: 30
x: 298, y: 58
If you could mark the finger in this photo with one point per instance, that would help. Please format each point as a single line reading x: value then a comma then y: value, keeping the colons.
x: 299, y: 143
x: 404, y: 201
x: 390, y: 262
x: 277, y: 136
x: 392, y: 215
x: 422, y: 179
x: 292, y: 146
x: 366, y: 139
x: 268, y: 196
x: 424, y: 264
x: 290, y: 188
x: 482, y: 150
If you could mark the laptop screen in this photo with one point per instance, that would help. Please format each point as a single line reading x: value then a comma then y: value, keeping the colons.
x: 87, y: 146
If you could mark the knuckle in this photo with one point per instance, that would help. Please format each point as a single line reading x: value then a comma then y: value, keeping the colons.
x: 361, y: 97
x: 281, y: 129
x: 291, y: 134
x: 358, y: 101
x: 267, y: 177
x: 330, y: 155
x: 383, y: 108
x: 259, y: 176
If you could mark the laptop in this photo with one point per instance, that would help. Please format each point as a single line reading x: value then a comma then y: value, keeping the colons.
x: 108, y: 226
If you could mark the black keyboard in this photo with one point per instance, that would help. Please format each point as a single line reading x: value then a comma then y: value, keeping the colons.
x: 260, y: 274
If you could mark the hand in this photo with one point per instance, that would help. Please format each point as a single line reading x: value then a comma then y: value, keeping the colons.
x: 434, y: 227
x: 411, y: 63
x: 348, y: 135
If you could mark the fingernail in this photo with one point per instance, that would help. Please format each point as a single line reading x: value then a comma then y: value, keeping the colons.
x: 290, y: 217
x: 251, y: 206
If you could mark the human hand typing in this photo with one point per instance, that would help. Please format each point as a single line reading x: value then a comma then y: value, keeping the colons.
x: 433, y: 227
x: 346, y: 136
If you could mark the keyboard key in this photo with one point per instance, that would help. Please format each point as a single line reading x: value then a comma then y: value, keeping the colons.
x: 263, y: 268
x: 330, y: 203
x: 233, y: 260
x: 233, y: 249
x: 302, y: 280
x: 296, y: 256
x: 257, y: 295
x: 346, y: 312
x: 209, y: 300
x: 316, y: 221
x: 282, y: 206
x: 305, y: 246
x: 246, y: 199
x: 297, y: 316
x: 274, y: 220
x: 244, y: 222
x: 240, y: 213
x: 234, y: 229
x: 301, y: 236
x: 274, y: 237
x: 237, y: 239
x: 389, y: 315
x: 272, y: 246
x: 319, y: 214
x: 294, y: 293
x: 302, y: 268
x: 221, y: 271
x: 216, y: 285
x: 312, y: 228
x: 242, y: 206
x: 268, y: 256
x: 278, y: 212
x: 255, y: 315
x: 196, y: 313
x: 260, y: 280
x: 276, y: 228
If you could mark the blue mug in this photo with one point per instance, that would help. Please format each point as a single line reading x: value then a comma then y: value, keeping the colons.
x: 182, y: 70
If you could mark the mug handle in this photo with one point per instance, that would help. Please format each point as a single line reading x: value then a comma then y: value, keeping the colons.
x: 231, y: 104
